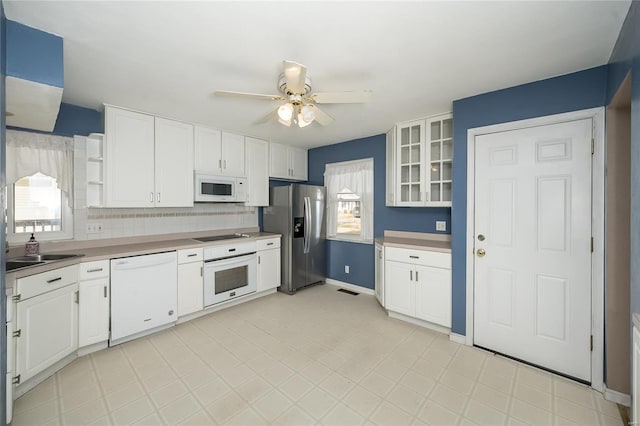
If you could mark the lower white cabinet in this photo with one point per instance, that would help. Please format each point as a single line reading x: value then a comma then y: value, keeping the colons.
x: 418, y: 284
x: 635, y: 379
x: 379, y: 273
x: 46, y: 329
x: 93, y: 310
x: 190, y: 281
x: 269, y: 274
x: 10, y: 359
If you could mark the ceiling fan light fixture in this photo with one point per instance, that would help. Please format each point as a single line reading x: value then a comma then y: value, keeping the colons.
x: 285, y: 112
x: 308, y: 113
x: 302, y: 122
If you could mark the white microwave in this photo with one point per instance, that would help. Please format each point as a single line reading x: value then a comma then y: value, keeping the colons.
x: 216, y: 189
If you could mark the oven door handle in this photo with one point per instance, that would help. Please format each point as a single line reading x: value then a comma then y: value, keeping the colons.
x: 307, y: 224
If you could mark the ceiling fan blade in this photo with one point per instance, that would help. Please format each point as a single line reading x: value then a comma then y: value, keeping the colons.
x: 321, y: 117
x: 295, y: 74
x: 270, y: 116
x: 229, y: 94
x: 342, y: 97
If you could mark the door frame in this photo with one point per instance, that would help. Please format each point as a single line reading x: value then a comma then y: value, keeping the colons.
x: 597, y: 224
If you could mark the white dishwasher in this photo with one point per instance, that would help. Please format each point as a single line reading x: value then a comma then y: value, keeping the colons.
x: 144, y: 294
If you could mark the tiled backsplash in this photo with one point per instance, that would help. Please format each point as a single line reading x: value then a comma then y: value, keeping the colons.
x: 128, y: 222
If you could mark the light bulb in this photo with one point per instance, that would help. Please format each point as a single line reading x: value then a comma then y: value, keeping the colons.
x: 308, y: 113
x: 285, y: 112
x: 301, y: 121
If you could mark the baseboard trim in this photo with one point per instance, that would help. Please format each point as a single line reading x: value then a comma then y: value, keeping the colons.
x: 617, y: 397
x: 458, y: 338
x: 351, y: 287
x: 419, y: 322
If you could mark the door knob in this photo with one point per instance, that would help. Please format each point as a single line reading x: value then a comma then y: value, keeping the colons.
x: 481, y: 252
x: 480, y: 237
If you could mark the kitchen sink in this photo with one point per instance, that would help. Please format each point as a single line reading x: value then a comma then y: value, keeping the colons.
x: 20, y: 262
x: 13, y: 265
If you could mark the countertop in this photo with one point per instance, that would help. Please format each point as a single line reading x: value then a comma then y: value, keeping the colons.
x: 98, y: 252
x: 415, y: 240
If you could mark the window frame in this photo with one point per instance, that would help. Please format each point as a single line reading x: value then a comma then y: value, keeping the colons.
x: 66, y: 221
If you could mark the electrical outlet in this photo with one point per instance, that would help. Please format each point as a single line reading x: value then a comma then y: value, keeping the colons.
x: 441, y: 225
x: 346, y: 269
x: 94, y: 228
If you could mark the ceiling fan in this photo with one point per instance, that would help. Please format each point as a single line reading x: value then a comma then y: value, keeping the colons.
x: 300, y: 107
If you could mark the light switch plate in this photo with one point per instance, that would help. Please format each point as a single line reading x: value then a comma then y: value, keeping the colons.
x: 441, y: 225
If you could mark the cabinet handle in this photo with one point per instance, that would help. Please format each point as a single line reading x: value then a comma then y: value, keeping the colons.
x: 95, y: 270
x: 258, y: 260
x: 416, y: 276
x: 192, y: 254
x: 426, y: 196
x: 219, y: 164
x: 269, y: 244
x: 225, y: 164
x: 411, y: 275
x: 77, y: 297
x: 201, y: 270
x: 158, y: 197
x: 16, y: 380
x: 17, y: 333
x: 54, y: 280
x: 414, y: 257
x: 151, y: 197
x: 105, y: 291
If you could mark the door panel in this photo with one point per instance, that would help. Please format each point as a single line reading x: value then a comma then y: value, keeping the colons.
x: 400, y: 290
x: 533, y: 209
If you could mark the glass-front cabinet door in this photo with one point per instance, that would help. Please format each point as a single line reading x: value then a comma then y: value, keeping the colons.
x: 440, y: 159
x: 410, y: 142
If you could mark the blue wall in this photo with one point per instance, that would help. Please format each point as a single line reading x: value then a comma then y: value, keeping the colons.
x: 571, y: 92
x: 625, y: 58
x: 74, y: 120
x: 34, y: 55
x: 360, y: 257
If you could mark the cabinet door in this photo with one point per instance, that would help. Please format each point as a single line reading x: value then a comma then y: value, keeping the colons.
x: 257, y: 168
x: 410, y: 168
x: 439, y: 159
x: 268, y: 269
x: 208, y: 148
x: 433, y: 294
x: 399, y: 288
x: 93, y: 312
x: 279, y: 161
x: 129, y: 158
x: 298, y: 163
x: 390, y: 199
x: 232, y: 154
x: 190, y: 288
x: 48, y: 326
x: 173, y: 164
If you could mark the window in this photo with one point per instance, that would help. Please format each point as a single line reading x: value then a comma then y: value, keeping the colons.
x: 39, y: 177
x: 350, y: 200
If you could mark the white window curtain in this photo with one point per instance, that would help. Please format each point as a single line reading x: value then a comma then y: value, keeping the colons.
x: 29, y: 153
x: 357, y: 176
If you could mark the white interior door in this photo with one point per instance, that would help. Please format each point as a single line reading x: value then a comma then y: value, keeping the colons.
x: 532, y: 269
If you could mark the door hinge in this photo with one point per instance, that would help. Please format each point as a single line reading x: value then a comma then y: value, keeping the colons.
x: 591, y: 244
x: 17, y: 297
x: 593, y: 146
x: 17, y: 333
x: 16, y: 380
x: 592, y: 343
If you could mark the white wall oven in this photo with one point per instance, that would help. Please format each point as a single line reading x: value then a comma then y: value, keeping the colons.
x: 229, y: 271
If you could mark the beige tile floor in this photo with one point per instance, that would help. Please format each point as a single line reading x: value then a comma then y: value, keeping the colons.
x: 319, y: 357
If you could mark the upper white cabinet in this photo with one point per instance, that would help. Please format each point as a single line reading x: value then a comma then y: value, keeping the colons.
x: 219, y: 153
x: 419, y: 160
x: 148, y: 160
x: 286, y: 162
x: 257, y: 167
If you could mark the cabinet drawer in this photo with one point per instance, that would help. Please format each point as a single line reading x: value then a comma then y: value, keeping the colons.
x: 189, y: 255
x: 46, y: 281
x: 91, y: 270
x: 418, y: 257
x: 267, y: 244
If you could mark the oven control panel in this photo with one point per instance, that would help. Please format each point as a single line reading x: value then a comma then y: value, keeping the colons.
x: 229, y: 250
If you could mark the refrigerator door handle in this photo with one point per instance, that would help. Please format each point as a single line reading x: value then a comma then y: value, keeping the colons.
x: 307, y: 225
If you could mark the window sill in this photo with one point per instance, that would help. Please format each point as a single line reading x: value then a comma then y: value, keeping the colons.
x: 350, y: 240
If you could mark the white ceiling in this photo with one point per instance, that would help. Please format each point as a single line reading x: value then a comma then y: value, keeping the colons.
x: 167, y: 57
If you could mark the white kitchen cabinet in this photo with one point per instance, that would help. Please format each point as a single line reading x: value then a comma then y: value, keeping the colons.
x: 419, y: 163
x: 379, y: 273
x: 257, y: 168
x: 173, y: 163
x: 190, y: 281
x: 148, y: 160
x: 635, y: 378
x: 11, y: 367
x: 268, y: 273
x: 129, y: 158
x: 93, y: 309
x: 286, y: 162
x: 418, y: 284
x: 46, y: 320
x: 219, y: 153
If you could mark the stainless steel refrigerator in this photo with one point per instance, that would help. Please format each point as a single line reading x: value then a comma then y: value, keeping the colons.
x: 297, y: 212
